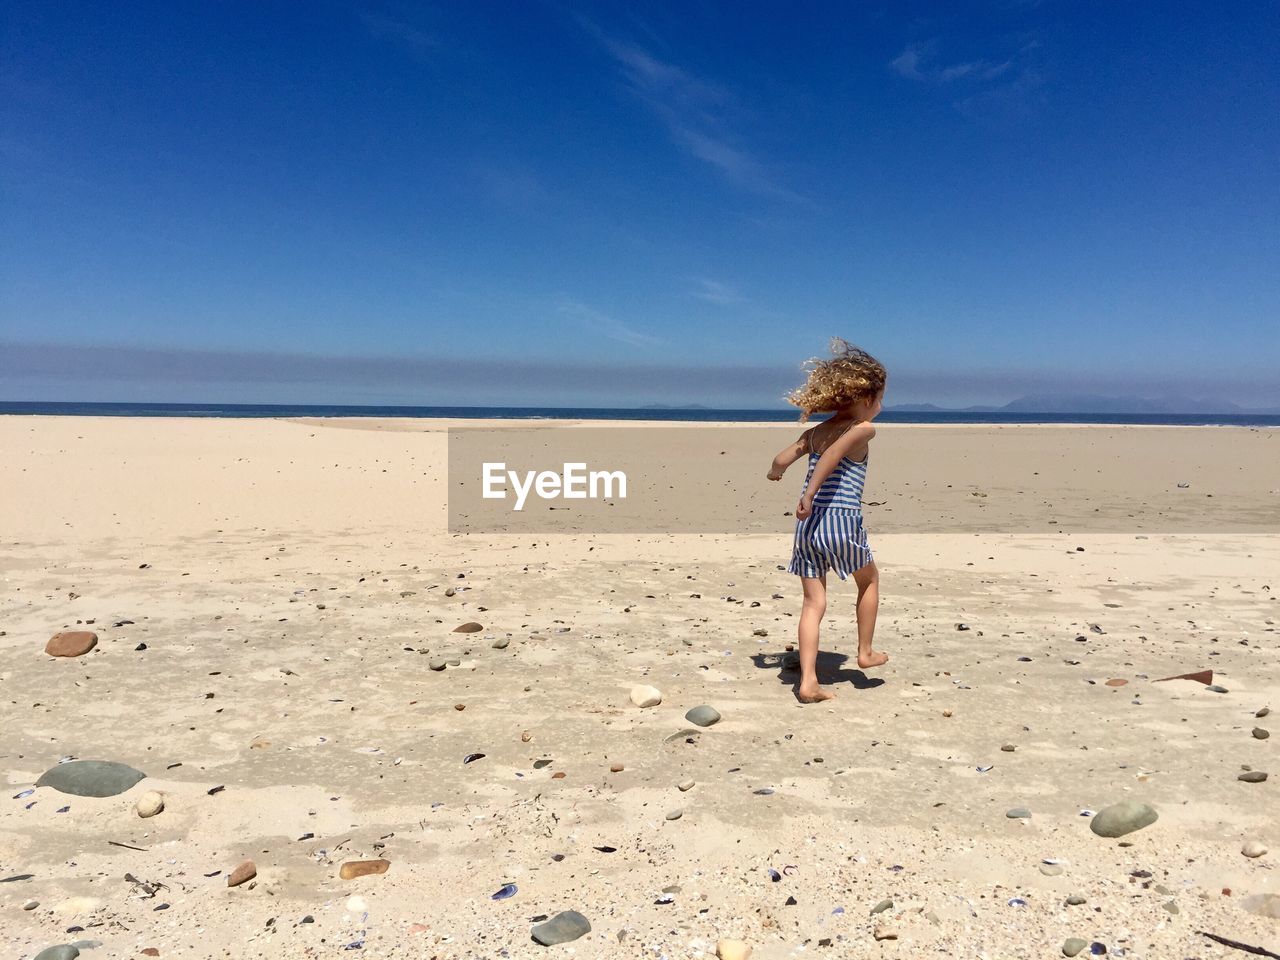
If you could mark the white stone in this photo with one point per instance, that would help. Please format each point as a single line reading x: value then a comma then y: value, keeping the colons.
x: 149, y: 804
x: 1253, y: 849
x: 643, y: 696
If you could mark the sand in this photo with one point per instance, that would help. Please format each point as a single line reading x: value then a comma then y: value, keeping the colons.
x: 292, y: 581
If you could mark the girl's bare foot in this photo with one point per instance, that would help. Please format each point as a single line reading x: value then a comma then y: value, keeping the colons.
x: 814, y: 694
x: 873, y: 659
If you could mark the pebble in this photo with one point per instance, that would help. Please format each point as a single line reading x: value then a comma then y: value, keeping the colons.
x: 1253, y: 849
x: 30, y: 904
x: 71, y: 643
x: 1171, y: 906
x: 1116, y: 682
x: 63, y: 951
x: 881, y: 907
x: 1075, y: 900
x: 1260, y: 734
x: 436, y: 663
x: 1252, y: 776
x: 469, y: 627
x: 616, y: 767
x: 645, y: 696
x: 1051, y: 869
x: 884, y: 931
x: 562, y: 928
x: 363, y: 868
x: 684, y: 786
x: 1018, y: 813
x: 500, y: 644
x: 703, y: 716
x: 675, y: 814
x: 149, y: 804
x: 1263, y: 712
x: 1122, y: 818
x: 1217, y: 688
x: 1008, y: 748
x: 245, y: 872
x: 733, y: 950
x: 1073, y: 946
x: 90, y: 778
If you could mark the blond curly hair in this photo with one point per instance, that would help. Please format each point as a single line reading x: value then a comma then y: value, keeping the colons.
x: 851, y: 376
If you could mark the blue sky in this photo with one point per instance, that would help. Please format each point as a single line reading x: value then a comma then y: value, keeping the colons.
x: 557, y: 204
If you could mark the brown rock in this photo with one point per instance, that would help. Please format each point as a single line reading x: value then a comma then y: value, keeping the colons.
x: 1116, y: 683
x: 71, y: 643
x: 558, y: 775
x: 616, y: 768
x: 459, y: 706
x: 469, y: 627
x: 242, y: 874
x: 149, y: 952
x: 363, y: 868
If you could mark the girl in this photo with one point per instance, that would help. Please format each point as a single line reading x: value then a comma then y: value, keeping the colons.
x: 829, y: 530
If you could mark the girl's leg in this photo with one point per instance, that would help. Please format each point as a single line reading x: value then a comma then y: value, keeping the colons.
x: 815, y: 605
x: 867, y: 577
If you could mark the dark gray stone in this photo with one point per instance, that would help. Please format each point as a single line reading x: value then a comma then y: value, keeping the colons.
x: 1252, y: 776
x: 1123, y: 817
x: 703, y: 716
x: 563, y: 927
x: 1018, y: 813
x: 91, y: 778
x: 62, y: 951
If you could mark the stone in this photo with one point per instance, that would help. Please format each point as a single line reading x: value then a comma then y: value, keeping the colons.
x: 1217, y: 688
x: 1122, y: 818
x: 562, y: 928
x: 703, y: 716
x: 1075, y: 900
x: 1265, y: 711
x: 1018, y: 813
x: 1171, y: 906
x: 733, y: 950
x: 1253, y: 776
x: 616, y: 767
x: 469, y: 627
x: 500, y: 643
x: 71, y: 643
x: 1051, y: 869
x: 243, y: 873
x: 1073, y: 945
x: 90, y: 778
x: 1253, y: 849
x: 684, y: 786
x: 881, y: 907
x: 1008, y: 748
x: 1260, y: 734
x: 675, y: 814
x: 644, y: 696
x: 884, y: 931
x: 150, y: 952
x: 63, y: 951
x: 30, y: 904
x: 149, y: 804
x: 363, y: 868
x: 437, y: 663
x: 1116, y: 682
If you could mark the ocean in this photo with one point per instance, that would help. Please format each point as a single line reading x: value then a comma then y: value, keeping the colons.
x: 697, y: 414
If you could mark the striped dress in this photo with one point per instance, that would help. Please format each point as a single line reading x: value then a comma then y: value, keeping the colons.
x: 833, y: 536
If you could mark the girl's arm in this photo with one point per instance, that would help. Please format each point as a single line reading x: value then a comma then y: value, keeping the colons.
x: 854, y: 437
x: 789, y: 455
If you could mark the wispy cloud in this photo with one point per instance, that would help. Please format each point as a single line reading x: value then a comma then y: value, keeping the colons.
x: 695, y: 112
x: 398, y: 29
x: 716, y: 292
x: 990, y: 86
x: 918, y: 62
x: 605, y: 325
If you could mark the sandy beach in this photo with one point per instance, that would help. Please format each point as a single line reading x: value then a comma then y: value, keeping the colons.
x: 271, y: 599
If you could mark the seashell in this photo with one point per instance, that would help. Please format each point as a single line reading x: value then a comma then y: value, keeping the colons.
x: 509, y: 890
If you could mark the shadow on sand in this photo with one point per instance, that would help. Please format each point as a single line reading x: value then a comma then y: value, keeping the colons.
x: 832, y: 670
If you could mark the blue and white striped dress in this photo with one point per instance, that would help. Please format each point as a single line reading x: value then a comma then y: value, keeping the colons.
x: 832, y: 536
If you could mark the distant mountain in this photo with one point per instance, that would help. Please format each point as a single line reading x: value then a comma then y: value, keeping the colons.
x: 1094, y: 404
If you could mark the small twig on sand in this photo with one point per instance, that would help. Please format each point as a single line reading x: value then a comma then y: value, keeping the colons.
x: 127, y: 846
x: 1261, y: 952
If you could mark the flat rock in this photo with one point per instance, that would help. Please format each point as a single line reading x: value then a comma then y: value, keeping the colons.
x: 363, y: 868
x: 1073, y: 946
x: 562, y: 928
x: 1075, y: 900
x: 704, y: 715
x: 733, y: 950
x: 1051, y: 869
x: 149, y: 804
x: 1253, y: 776
x: 1018, y: 813
x: 243, y: 873
x: 71, y: 643
x: 1253, y: 849
x: 674, y: 814
x: 645, y: 696
x: 881, y: 907
x: 90, y: 778
x: 1259, y: 733
x: 1122, y: 818
x: 63, y: 951
x: 501, y: 643
x: 884, y: 931
x: 469, y: 627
